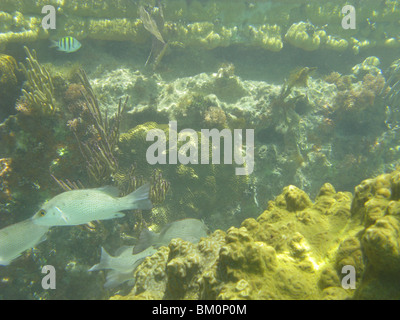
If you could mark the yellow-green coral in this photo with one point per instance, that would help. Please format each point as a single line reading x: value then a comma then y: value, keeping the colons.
x: 8, y: 68
x: 296, y: 249
x: 209, y: 24
x: 284, y: 254
x: 303, y: 36
x: 198, y: 189
x: 40, y: 93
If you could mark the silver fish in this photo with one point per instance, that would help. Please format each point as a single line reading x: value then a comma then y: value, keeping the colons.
x: 76, y: 207
x: 66, y: 44
x: 122, y: 266
x: 186, y: 229
x: 18, y: 237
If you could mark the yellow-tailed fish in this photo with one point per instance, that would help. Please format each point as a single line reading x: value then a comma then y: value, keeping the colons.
x: 82, y: 206
x: 66, y: 44
x: 18, y: 237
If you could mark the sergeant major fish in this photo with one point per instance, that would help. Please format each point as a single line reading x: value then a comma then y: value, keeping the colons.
x: 66, y: 44
x: 84, y: 205
x: 18, y: 237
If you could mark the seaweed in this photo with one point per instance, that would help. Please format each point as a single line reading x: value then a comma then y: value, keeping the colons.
x: 100, y: 153
x: 159, y: 46
x: 40, y: 93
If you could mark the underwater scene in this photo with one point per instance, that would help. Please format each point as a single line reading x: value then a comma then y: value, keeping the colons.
x: 199, y: 149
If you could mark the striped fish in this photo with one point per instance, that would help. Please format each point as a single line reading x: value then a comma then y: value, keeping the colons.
x: 66, y: 44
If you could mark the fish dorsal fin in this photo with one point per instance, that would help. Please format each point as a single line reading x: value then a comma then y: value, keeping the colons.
x: 110, y: 190
x: 123, y: 249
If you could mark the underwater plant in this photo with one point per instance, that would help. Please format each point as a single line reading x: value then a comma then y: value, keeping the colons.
x: 297, y: 78
x: 5, y: 169
x: 40, y: 93
x: 128, y: 181
x: 68, y: 185
x: 9, y: 84
x: 159, y: 46
x: 391, y: 90
x: 158, y: 187
x: 99, y: 153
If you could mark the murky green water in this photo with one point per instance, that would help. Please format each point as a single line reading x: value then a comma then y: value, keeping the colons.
x: 218, y: 106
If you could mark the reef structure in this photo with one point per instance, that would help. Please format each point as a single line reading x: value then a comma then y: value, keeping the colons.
x: 209, y: 24
x: 296, y: 249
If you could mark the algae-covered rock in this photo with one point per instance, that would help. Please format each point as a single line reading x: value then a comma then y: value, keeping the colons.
x: 294, y: 199
x: 281, y: 255
x: 286, y: 254
x: 208, y: 24
x: 199, y: 190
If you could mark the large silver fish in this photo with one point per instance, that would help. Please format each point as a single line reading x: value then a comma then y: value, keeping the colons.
x: 186, y: 229
x: 75, y: 207
x: 18, y: 237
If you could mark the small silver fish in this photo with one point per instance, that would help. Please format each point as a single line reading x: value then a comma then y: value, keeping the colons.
x: 122, y: 266
x: 18, y: 237
x: 81, y: 206
x: 186, y: 229
x: 66, y: 44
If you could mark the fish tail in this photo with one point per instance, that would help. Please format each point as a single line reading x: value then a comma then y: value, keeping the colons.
x: 54, y: 44
x: 138, y: 199
x: 104, y: 261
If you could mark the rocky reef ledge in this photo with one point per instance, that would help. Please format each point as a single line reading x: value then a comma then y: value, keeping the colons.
x: 296, y: 249
x: 270, y: 25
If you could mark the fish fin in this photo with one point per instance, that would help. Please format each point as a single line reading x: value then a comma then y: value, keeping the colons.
x: 110, y: 190
x: 113, y: 215
x: 117, y: 215
x: 43, y: 238
x: 6, y: 262
x: 144, y: 205
x: 138, y: 199
x: 63, y: 216
x: 53, y: 44
x: 123, y: 249
x: 115, y: 278
x: 104, y: 261
x: 146, y: 239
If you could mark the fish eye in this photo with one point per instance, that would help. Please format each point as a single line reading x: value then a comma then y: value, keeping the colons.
x: 42, y: 213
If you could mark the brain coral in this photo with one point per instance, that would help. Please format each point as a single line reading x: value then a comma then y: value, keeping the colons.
x: 296, y: 249
x: 281, y: 255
